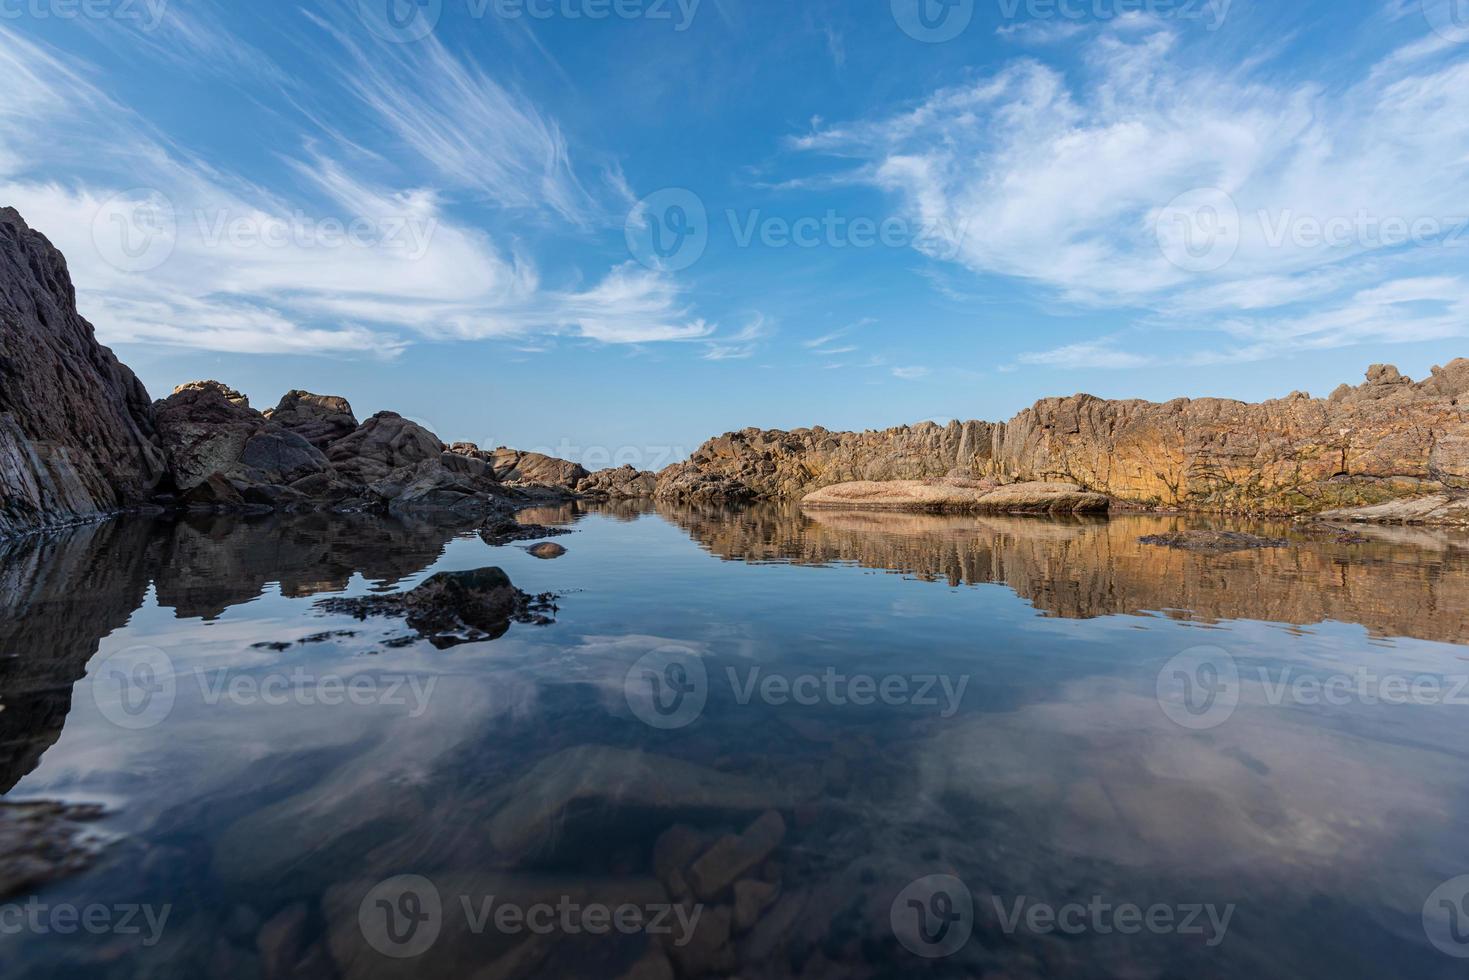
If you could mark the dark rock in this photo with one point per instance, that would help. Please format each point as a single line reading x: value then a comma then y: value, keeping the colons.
x: 454, y: 607
x: 381, y: 446
x: 76, y: 426
x: 319, y: 419
x: 708, y: 951
x: 1213, y: 541
x: 546, y: 550
x: 506, y: 530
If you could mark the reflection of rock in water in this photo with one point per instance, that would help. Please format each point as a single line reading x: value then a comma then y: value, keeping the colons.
x: 61, y: 594
x: 1399, y: 582
x: 206, y: 564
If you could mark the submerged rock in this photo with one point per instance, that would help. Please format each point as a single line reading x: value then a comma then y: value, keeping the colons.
x: 1215, y: 541
x: 41, y: 842
x: 455, y: 607
x: 953, y: 494
x: 546, y: 550
x: 597, y: 782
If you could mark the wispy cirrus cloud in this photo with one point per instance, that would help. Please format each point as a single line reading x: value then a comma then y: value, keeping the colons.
x: 167, y: 249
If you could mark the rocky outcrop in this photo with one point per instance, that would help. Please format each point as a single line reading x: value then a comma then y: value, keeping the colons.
x: 319, y: 419
x: 1388, y: 439
x: 955, y: 495
x: 514, y: 466
x: 621, y: 483
x: 786, y: 465
x: 76, y: 427
x: 221, y: 451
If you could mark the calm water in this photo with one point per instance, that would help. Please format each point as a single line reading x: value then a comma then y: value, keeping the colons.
x: 999, y: 747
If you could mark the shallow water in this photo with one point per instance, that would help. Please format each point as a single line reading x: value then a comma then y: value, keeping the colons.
x: 988, y: 740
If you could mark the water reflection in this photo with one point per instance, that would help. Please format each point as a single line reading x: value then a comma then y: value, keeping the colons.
x: 1397, y: 582
x: 533, y: 778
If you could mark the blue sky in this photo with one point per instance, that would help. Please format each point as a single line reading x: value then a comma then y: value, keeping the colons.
x: 612, y: 228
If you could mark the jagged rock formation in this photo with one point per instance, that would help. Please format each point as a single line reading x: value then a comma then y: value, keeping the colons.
x: 1385, y: 440
x: 76, y: 430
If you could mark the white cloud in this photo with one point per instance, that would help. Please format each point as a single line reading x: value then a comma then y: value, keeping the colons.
x: 910, y: 373
x: 242, y: 268
x: 742, y: 345
x: 1069, y: 175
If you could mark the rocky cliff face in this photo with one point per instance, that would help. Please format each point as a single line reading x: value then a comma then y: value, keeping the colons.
x: 76, y: 426
x: 1387, y: 439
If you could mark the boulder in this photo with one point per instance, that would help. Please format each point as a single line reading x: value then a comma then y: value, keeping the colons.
x: 76, y: 427
x: 319, y: 419
x: 514, y: 466
x: 383, y: 444
x: 546, y: 550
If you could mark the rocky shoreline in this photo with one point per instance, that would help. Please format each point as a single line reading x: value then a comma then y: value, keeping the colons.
x: 81, y: 440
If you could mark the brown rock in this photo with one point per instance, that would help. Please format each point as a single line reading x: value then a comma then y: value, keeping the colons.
x: 622, y: 483
x: 546, y: 550
x: 1388, y: 439
x: 514, y: 466
x: 734, y: 856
